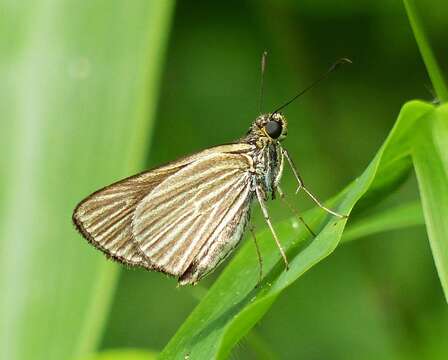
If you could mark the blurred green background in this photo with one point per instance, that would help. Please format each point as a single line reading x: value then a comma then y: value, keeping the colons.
x: 378, y: 298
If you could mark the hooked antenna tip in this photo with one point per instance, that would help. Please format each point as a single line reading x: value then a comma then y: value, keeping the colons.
x: 340, y: 62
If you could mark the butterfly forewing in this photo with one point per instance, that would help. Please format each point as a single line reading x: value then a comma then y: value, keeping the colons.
x: 105, y: 217
x: 182, y: 214
x: 225, y: 236
x: 138, y: 219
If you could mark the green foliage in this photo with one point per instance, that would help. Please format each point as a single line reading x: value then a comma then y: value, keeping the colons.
x: 426, y: 51
x: 123, y: 354
x: 234, y: 303
x: 431, y: 165
x: 78, y: 95
x: 398, y: 217
x: 79, y: 90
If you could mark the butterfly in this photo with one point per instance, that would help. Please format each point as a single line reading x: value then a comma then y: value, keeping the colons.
x: 184, y: 218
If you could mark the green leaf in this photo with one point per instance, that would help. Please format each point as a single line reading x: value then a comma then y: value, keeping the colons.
x: 395, y: 218
x: 431, y: 64
x: 234, y: 304
x: 123, y: 354
x: 78, y: 91
x: 430, y: 153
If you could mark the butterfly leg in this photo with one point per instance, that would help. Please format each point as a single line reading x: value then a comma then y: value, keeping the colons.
x: 294, y: 210
x: 260, y: 259
x: 302, y: 186
x: 268, y: 220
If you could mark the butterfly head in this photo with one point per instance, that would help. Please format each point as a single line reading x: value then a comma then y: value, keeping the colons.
x: 272, y: 127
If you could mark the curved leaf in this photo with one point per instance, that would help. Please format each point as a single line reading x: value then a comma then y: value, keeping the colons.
x: 430, y: 153
x: 78, y: 94
x: 123, y: 354
x: 426, y: 51
x: 399, y: 217
x: 234, y: 304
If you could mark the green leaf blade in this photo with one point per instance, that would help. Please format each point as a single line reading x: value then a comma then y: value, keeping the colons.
x: 399, y: 217
x: 80, y: 86
x: 123, y: 354
x: 429, y: 59
x: 430, y: 156
x: 233, y: 304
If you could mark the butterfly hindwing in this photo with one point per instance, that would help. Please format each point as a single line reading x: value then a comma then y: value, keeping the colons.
x: 105, y: 218
x: 188, y: 210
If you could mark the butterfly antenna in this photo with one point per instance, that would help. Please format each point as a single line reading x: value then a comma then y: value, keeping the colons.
x: 332, y: 68
x: 263, y: 68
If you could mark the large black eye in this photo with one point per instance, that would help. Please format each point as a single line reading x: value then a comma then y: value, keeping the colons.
x: 274, y: 129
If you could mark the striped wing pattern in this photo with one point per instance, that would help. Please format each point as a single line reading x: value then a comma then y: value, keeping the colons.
x: 165, y: 218
x: 223, y: 240
x: 105, y: 217
x: 186, y: 213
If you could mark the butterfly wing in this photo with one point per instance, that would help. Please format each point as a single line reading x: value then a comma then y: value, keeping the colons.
x: 221, y: 243
x: 178, y: 222
x: 105, y: 217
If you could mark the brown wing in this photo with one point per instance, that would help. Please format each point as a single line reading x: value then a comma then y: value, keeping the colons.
x: 222, y: 241
x: 190, y: 209
x: 105, y: 217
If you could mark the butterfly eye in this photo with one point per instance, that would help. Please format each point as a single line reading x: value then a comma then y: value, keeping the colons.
x: 273, y: 129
